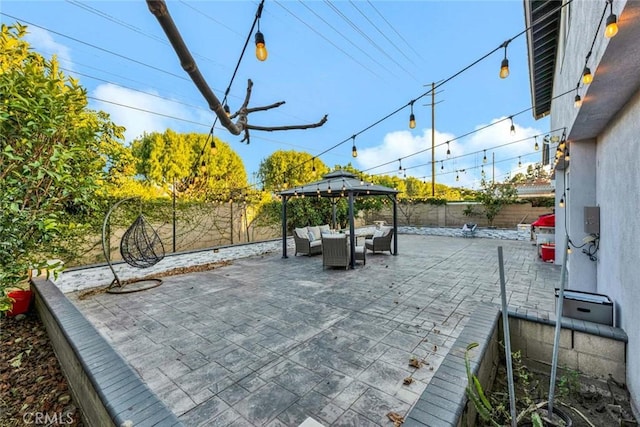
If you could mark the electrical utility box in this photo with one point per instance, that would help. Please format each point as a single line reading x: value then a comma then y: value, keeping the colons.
x: 592, y: 219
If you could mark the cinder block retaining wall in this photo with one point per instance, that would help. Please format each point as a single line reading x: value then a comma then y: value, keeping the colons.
x: 106, y: 388
x: 593, y: 349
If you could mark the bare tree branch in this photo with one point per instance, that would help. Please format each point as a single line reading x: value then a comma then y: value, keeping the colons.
x: 159, y: 9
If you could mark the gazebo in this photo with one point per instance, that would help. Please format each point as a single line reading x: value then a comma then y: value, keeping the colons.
x: 336, y: 184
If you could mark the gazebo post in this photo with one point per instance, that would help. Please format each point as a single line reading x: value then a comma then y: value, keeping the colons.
x: 352, y: 235
x: 395, y: 225
x: 284, y: 226
x: 334, y: 209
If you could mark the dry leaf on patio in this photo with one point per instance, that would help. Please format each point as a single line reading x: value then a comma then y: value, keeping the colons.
x: 415, y: 363
x: 396, y: 418
x: 407, y: 381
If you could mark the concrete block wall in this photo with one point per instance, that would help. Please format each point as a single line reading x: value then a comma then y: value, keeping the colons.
x: 595, y: 355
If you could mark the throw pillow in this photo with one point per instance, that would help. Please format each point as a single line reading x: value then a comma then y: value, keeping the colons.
x: 378, y: 233
x: 312, y: 236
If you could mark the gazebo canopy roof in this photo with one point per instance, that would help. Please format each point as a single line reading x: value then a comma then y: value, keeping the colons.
x: 337, y: 184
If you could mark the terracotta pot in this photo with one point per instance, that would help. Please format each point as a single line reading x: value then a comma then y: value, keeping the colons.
x: 22, y: 301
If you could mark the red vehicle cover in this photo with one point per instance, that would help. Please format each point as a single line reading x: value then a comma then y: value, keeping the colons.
x: 547, y: 220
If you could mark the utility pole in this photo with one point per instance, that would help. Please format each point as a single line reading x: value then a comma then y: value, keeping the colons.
x: 493, y: 162
x: 433, y: 139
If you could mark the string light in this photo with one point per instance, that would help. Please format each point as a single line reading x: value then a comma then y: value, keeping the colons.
x: 504, y: 66
x: 569, y: 249
x: 577, y: 101
x: 561, y: 204
x: 441, y: 165
x: 261, y: 49
x: 313, y: 164
x: 612, y: 23
x: 587, y: 77
x: 484, y: 159
x: 354, y: 150
x: 519, y: 162
x: 213, y: 147
x: 412, y: 118
x: 227, y: 110
x: 329, y: 187
x: 566, y: 155
x: 448, y: 150
x: 400, y: 165
x: 536, y: 146
x: 203, y: 166
x: 513, y: 127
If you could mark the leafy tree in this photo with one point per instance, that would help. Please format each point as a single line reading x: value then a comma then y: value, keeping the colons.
x: 494, y: 196
x: 200, y: 170
x: 286, y: 169
x: 51, y: 164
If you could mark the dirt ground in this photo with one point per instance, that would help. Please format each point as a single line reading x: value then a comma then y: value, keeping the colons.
x: 33, y: 390
x: 602, y: 403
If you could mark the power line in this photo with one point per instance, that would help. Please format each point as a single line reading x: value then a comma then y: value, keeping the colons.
x: 328, y: 41
x: 394, y: 29
x: 98, y: 47
x: 366, y: 37
x: 131, y: 27
x: 345, y: 37
x: 364, y: 15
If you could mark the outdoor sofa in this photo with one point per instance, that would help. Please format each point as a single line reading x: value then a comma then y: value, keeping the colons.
x: 308, y: 240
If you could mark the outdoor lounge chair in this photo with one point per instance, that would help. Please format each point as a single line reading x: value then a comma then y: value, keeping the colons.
x: 469, y: 230
x: 304, y: 245
x: 381, y: 240
x: 335, y: 250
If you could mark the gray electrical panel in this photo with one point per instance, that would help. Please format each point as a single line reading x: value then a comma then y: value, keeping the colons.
x: 592, y: 219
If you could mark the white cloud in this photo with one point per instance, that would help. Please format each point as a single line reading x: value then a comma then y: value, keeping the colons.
x: 138, y: 122
x: 495, y: 139
x: 400, y: 144
x: 42, y: 41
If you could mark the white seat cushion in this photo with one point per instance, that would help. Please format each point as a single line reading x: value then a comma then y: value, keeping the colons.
x: 301, y: 232
x: 315, y: 243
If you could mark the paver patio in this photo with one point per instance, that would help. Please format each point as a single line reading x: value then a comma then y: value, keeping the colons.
x: 272, y: 341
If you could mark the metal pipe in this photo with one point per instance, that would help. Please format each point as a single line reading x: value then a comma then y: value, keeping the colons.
x: 507, y: 338
x: 556, y: 337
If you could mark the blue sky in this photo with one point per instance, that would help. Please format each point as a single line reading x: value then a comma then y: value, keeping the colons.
x: 355, y: 61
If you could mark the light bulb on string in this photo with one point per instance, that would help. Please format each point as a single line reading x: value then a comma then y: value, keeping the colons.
x: 561, y: 204
x: 513, y: 127
x: 412, y: 118
x: 484, y: 159
x: 504, y: 65
x: 448, y: 150
x: 354, y: 150
x: 569, y: 248
x: 536, y: 146
x: 577, y: 101
x: 587, y: 77
x: 457, y: 177
x: 313, y: 165
x: 612, y: 23
x: 227, y: 110
x: 212, y: 148
x: 261, y: 49
x: 519, y: 162
x: 400, y: 165
x: 441, y: 165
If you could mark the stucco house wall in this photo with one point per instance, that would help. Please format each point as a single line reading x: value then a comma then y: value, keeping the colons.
x: 603, y: 136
